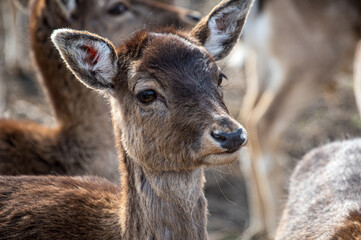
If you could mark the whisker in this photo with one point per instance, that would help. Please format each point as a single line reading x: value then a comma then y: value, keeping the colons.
x: 224, y: 195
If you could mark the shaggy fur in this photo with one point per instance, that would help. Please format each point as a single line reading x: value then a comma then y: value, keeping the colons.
x: 81, y: 143
x: 324, y: 195
x: 163, y: 145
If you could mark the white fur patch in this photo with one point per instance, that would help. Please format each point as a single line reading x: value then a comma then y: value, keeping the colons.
x: 214, y: 44
x: 104, y: 64
x: 88, y: 56
x: 217, y: 36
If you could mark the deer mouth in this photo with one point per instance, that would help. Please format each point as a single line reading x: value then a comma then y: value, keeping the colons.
x: 220, y: 148
x: 223, y: 157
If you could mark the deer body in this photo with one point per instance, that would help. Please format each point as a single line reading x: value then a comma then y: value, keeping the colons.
x: 77, y: 145
x: 324, y: 195
x: 93, y: 208
x: 164, y: 78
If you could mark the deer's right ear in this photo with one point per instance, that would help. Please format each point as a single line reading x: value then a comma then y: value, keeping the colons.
x: 91, y: 58
x: 220, y: 30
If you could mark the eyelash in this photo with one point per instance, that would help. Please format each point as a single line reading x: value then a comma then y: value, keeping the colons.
x: 220, y: 78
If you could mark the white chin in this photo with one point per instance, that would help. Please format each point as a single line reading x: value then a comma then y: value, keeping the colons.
x: 222, y: 158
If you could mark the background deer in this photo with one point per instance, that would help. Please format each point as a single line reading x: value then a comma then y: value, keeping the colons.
x: 300, y: 47
x: 324, y: 195
x: 79, y: 143
x: 165, y: 78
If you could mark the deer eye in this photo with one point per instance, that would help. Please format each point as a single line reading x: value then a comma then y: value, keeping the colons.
x: 118, y: 9
x: 220, y: 78
x: 147, y: 96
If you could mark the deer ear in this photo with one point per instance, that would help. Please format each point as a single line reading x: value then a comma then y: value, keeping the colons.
x: 91, y: 58
x: 220, y: 30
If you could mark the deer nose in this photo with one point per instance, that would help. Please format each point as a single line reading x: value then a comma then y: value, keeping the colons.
x: 230, y: 141
x: 193, y: 16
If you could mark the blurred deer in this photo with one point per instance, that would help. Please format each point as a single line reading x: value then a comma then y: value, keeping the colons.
x: 13, y: 49
x: 79, y: 143
x: 299, y: 45
x: 12, y: 40
x: 324, y: 199
x: 170, y: 122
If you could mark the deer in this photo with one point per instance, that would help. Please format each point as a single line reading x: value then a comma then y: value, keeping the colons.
x: 324, y: 194
x: 300, y: 46
x: 80, y: 141
x: 170, y: 122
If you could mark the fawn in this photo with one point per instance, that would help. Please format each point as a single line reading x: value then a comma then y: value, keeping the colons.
x: 169, y: 122
x: 81, y: 142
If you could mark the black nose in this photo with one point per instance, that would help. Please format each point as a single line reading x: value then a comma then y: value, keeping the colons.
x: 194, y: 16
x: 230, y: 141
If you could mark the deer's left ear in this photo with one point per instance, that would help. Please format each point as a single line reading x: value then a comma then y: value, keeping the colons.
x: 220, y: 30
x: 91, y: 58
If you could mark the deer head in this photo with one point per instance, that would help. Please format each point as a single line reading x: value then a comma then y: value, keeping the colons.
x: 165, y: 89
x: 110, y: 18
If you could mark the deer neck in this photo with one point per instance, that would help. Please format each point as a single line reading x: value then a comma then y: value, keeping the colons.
x: 82, y: 116
x: 74, y: 105
x: 160, y: 205
x: 168, y: 205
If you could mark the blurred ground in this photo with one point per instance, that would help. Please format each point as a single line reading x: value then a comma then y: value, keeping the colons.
x: 334, y: 116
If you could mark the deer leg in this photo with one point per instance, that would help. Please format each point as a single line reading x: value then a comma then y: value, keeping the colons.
x: 261, y: 202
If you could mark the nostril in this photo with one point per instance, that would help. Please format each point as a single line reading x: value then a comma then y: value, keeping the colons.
x: 230, y: 141
x: 220, y: 137
x: 194, y: 16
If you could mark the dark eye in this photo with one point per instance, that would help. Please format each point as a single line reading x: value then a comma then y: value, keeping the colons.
x: 118, y: 9
x: 147, y: 96
x: 220, y: 78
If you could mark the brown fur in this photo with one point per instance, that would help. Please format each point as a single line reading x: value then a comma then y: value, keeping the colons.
x: 80, y: 143
x: 324, y: 195
x: 350, y: 228
x: 90, y: 204
x: 163, y: 146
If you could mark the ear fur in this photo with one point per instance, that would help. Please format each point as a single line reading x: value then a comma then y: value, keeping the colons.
x: 91, y: 58
x: 220, y: 30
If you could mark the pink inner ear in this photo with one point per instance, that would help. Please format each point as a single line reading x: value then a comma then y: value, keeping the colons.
x: 92, y: 56
x: 222, y: 22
